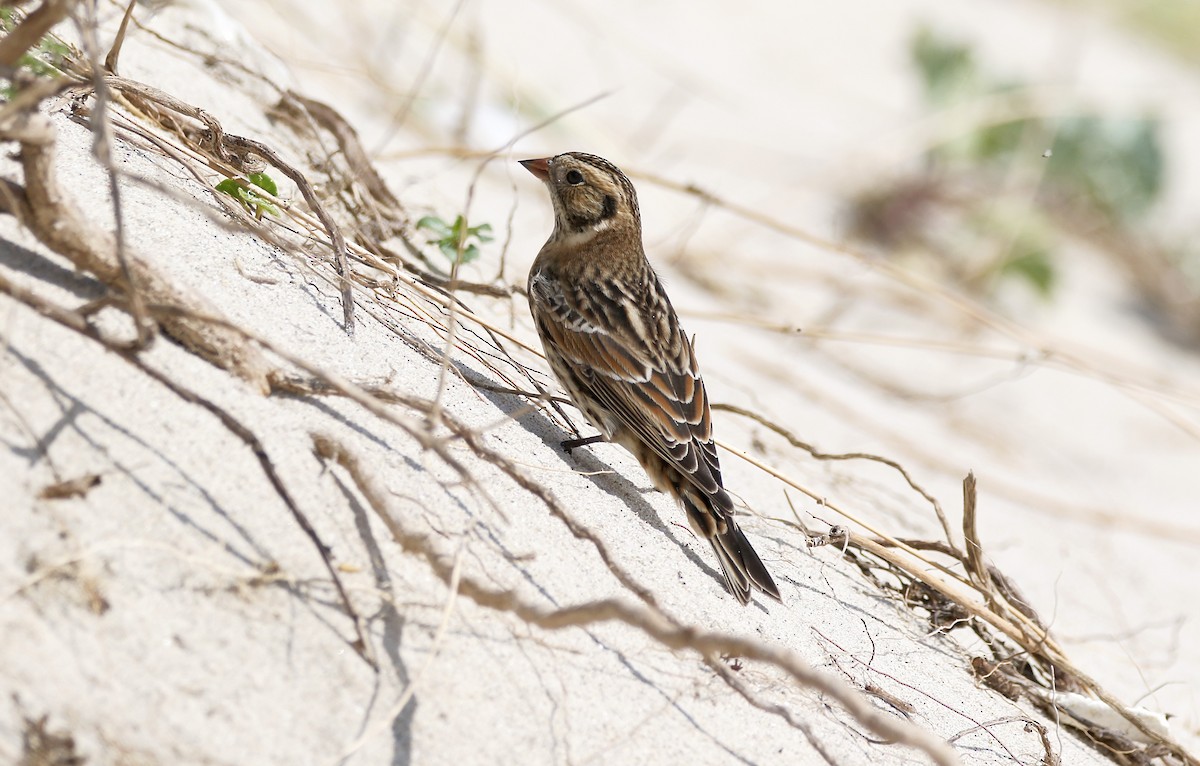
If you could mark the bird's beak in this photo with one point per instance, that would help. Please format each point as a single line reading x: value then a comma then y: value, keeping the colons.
x: 540, y: 168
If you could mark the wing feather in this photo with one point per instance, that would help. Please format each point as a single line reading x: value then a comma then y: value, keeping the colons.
x: 628, y: 352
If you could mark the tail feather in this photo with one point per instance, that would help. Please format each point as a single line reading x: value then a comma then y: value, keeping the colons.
x: 740, y: 564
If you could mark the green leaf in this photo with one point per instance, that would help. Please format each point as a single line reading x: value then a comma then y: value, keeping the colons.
x: 249, y: 199
x: 458, y: 242
x: 483, y: 232
x: 264, y: 182
x: 231, y: 187
x: 434, y: 224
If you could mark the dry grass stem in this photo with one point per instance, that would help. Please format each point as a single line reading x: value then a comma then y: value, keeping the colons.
x: 650, y: 621
x: 130, y: 353
x: 30, y: 30
x: 50, y: 215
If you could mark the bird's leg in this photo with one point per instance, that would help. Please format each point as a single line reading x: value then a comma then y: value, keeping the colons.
x: 570, y: 444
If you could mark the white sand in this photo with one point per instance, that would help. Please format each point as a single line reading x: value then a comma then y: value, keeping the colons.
x: 136, y: 618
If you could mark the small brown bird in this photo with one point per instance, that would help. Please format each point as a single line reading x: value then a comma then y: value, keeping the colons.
x: 615, y: 344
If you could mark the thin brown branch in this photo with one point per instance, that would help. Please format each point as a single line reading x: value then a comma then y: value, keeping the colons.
x: 75, y: 321
x: 314, y: 203
x: 114, y: 52
x: 976, y: 569
x: 349, y: 146
x: 31, y: 30
x: 57, y: 222
x: 649, y: 621
x: 819, y: 455
x: 147, y: 97
x: 102, y: 147
x: 1048, y: 759
x: 478, y: 288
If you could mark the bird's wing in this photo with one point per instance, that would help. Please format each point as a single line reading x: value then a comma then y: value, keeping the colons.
x: 624, y: 346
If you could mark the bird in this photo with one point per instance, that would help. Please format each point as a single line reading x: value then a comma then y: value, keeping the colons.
x: 615, y: 344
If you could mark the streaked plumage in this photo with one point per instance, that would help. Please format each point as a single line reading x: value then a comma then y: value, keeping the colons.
x: 615, y: 344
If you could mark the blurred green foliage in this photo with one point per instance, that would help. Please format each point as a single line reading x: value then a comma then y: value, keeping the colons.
x: 1031, y: 261
x: 1096, y: 166
x: 947, y: 68
x: 1117, y: 164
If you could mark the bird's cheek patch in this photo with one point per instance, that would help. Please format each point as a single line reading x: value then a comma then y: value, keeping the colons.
x: 610, y: 207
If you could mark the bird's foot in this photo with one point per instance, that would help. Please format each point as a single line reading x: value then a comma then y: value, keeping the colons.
x: 570, y: 444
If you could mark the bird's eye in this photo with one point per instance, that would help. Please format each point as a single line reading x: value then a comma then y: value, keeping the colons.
x: 574, y: 177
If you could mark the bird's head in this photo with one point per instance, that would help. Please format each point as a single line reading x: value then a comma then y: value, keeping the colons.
x: 590, y: 194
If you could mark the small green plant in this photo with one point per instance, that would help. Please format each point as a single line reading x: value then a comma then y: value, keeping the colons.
x: 251, y: 199
x: 457, y: 241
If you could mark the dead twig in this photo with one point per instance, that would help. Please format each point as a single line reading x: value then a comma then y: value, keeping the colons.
x: 114, y: 52
x: 649, y: 621
x: 102, y: 148
x: 819, y: 455
x: 129, y: 352
x: 976, y: 569
x: 31, y: 29
x: 314, y: 203
x: 1049, y: 759
x: 49, y: 214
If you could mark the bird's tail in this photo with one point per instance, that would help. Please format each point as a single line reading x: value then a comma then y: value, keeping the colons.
x: 740, y: 564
